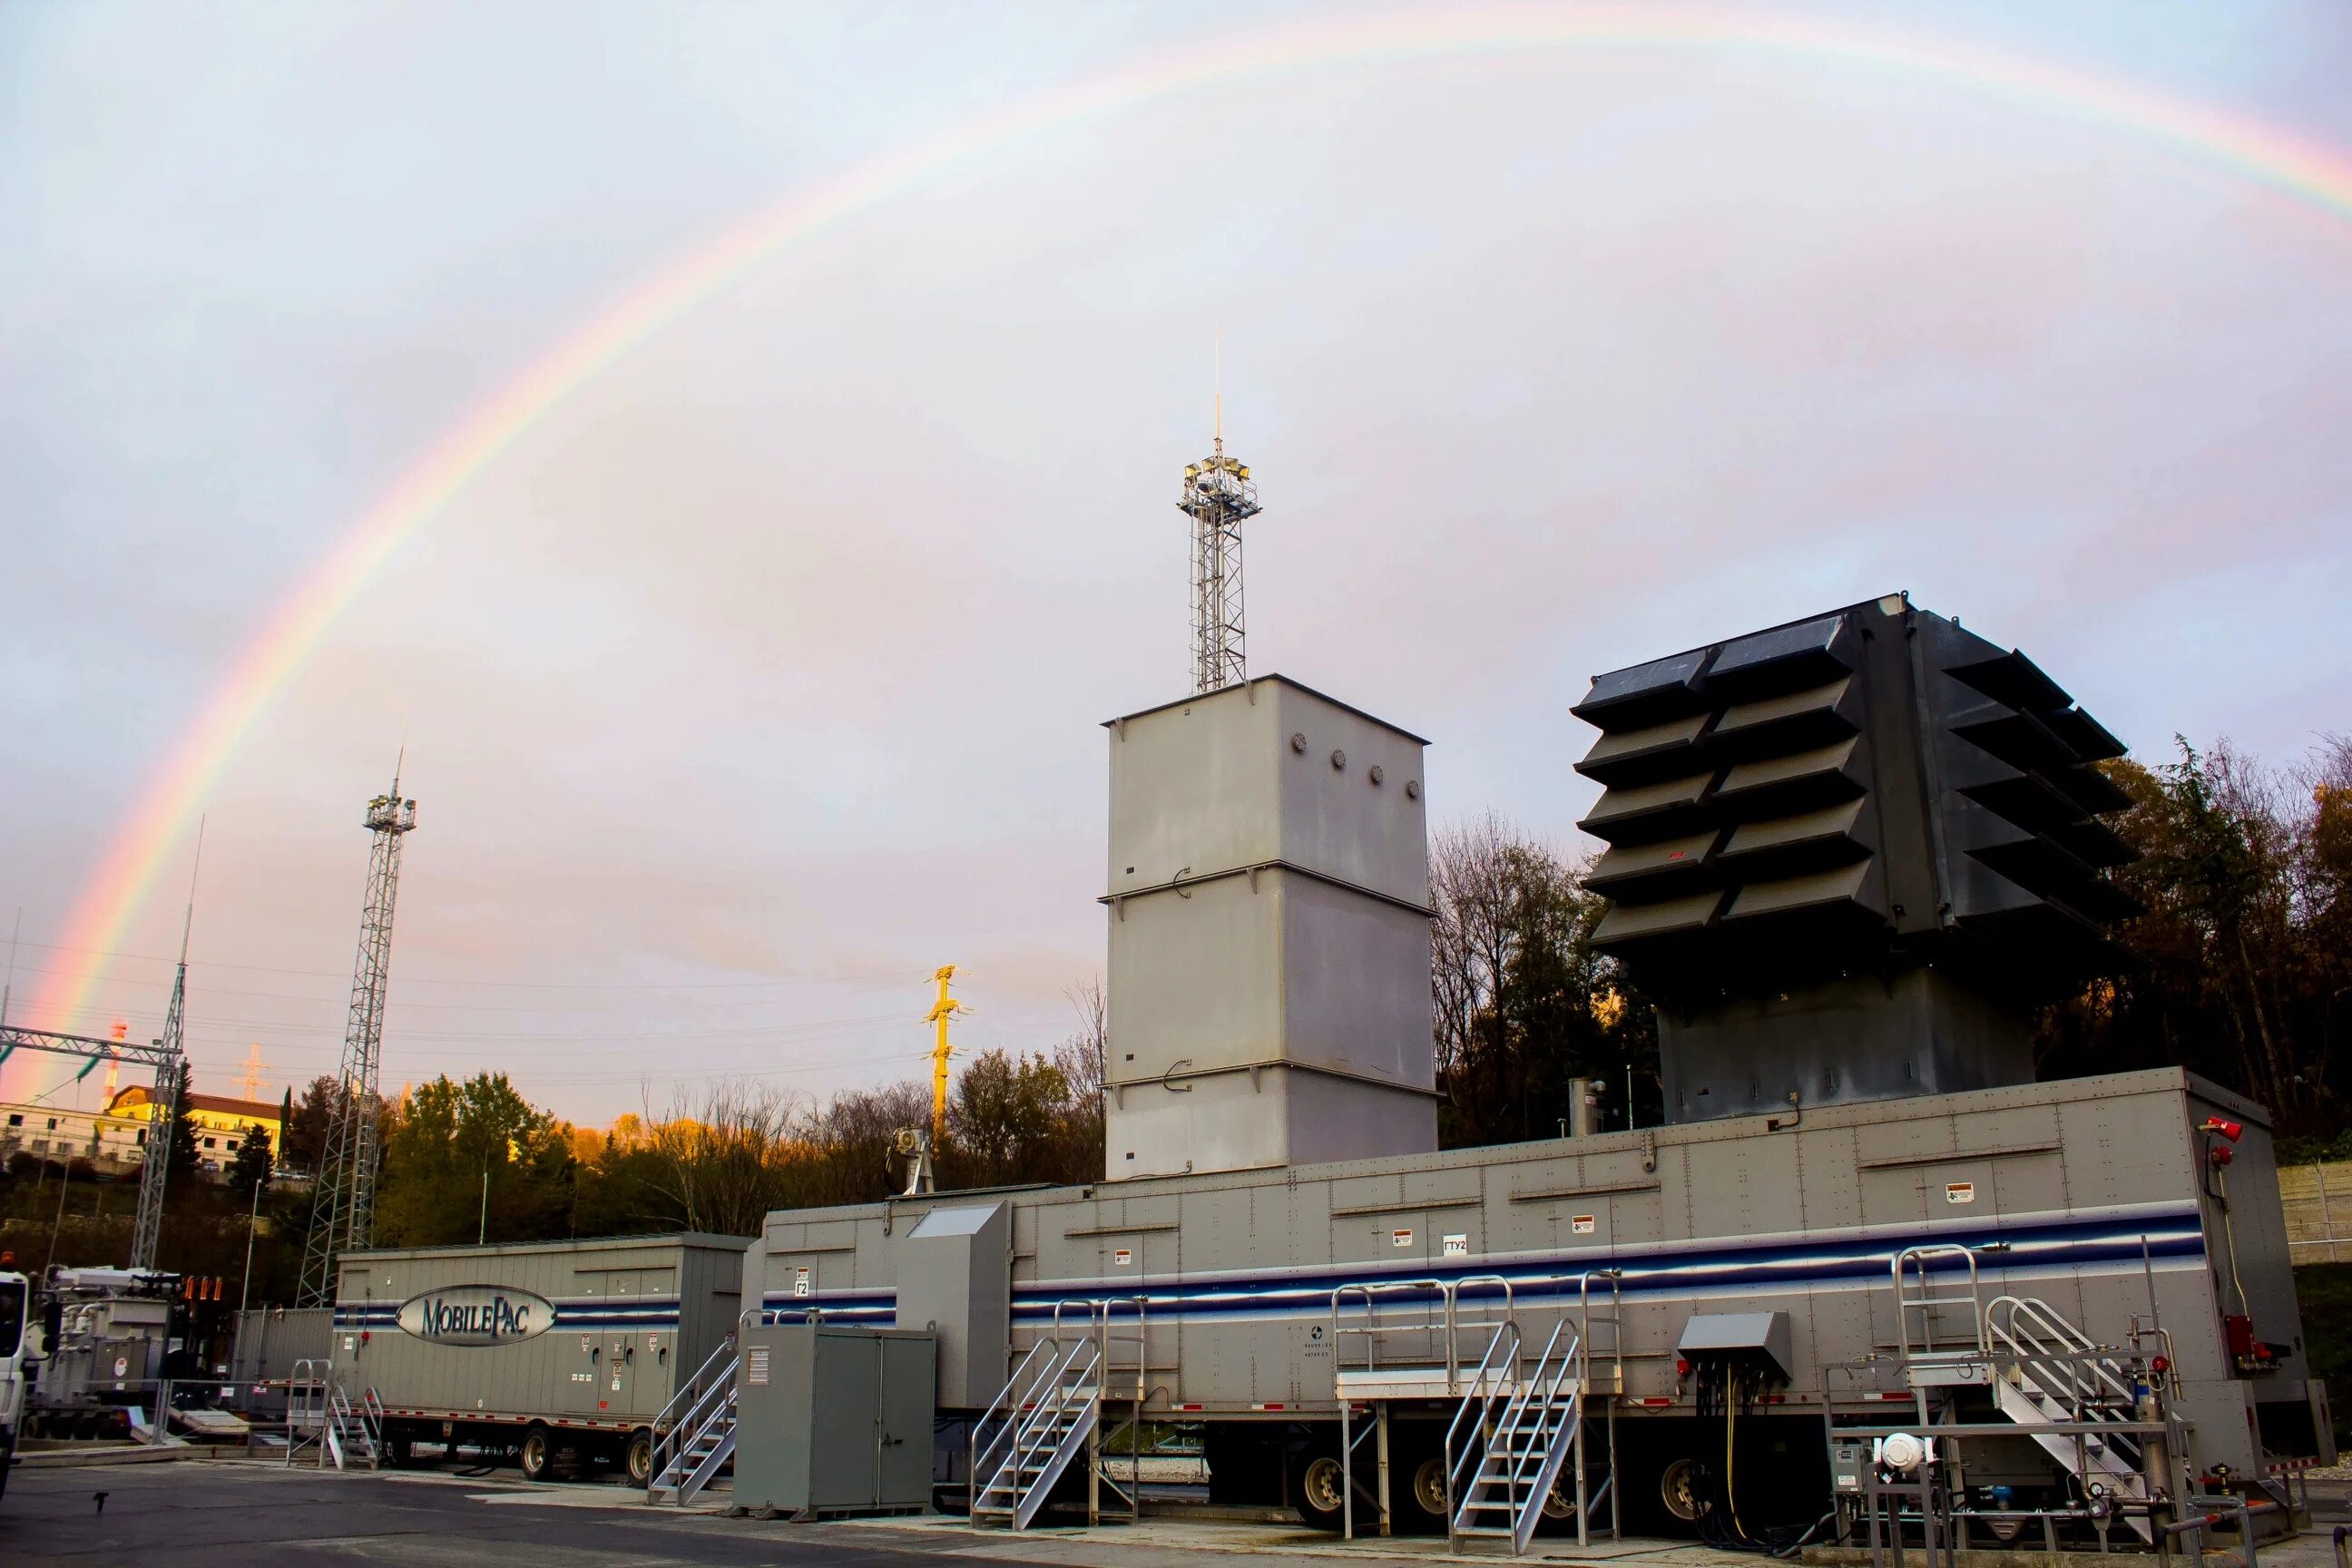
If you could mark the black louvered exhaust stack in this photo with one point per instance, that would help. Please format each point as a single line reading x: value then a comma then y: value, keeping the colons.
x: 1848, y: 856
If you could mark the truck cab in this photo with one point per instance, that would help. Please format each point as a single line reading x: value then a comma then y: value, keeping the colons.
x: 16, y: 1299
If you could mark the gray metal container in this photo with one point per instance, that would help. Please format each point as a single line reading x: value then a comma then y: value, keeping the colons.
x: 833, y: 1419
x: 271, y: 1340
x: 2095, y: 1192
x: 1269, y: 935
x: 592, y: 1334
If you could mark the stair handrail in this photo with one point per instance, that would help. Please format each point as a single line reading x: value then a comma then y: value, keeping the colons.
x: 1009, y: 1401
x: 1496, y: 1378
x: 1141, y: 1341
x: 1544, y: 1398
x: 373, y: 1416
x: 1614, y: 1322
x: 1073, y: 1372
x: 1906, y: 1304
x: 680, y: 1420
x: 1454, y: 1325
x: 2024, y: 1325
x: 306, y: 1404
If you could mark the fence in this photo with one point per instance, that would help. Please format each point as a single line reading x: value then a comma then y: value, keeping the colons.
x: 2318, y: 1201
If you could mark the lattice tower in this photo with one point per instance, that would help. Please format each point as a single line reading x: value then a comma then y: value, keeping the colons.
x: 1219, y: 496
x: 342, y: 1209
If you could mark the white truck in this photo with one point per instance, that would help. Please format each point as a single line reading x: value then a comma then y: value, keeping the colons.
x: 16, y: 1300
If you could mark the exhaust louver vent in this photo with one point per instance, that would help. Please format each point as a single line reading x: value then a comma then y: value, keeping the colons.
x: 1861, y: 791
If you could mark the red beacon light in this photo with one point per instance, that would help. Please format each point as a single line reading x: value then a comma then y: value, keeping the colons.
x: 2233, y: 1130
x: 2160, y: 1365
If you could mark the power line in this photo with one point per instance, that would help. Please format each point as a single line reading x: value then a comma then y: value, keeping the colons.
x: 407, y: 980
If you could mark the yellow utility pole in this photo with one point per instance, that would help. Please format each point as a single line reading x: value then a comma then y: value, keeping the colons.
x: 943, y: 1009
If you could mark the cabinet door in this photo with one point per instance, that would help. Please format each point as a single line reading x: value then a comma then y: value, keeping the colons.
x: 903, y: 1463
x: 844, y: 1413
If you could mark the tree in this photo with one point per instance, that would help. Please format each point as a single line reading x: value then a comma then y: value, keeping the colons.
x: 2240, y: 961
x: 723, y: 1167
x: 180, y: 1151
x: 1003, y: 1118
x: 251, y: 1167
x: 1083, y: 1060
x: 304, y: 1130
x: 1523, y: 1004
x: 476, y: 1159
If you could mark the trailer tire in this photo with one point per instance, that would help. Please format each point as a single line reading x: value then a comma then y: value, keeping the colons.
x: 638, y: 1458
x: 1678, y: 1491
x: 1422, y: 1508
x: 1316, y: 1489
x: 536, y: 1456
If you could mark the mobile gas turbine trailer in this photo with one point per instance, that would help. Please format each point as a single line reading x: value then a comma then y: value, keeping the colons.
x: 562, y: 1355
x: 1847, y: 855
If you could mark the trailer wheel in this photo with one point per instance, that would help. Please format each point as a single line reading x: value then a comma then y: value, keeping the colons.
x: 1320, y: 1488
x: 640, y: 1457
x: 1426, y: 1495
x: 1678, y: 1489
x: 537, y: 1455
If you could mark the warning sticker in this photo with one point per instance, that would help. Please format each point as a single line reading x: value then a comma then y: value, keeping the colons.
x: 755, y: 1367
x: 1123, y: 1258
x: 1959, y: 1192
x: 801, y: 1286
x: 1581, y: 1223
x: 1401, y: 1239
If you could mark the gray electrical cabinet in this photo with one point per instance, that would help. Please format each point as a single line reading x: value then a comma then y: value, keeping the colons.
x: 955, y: 1280
x: 833, y: 1419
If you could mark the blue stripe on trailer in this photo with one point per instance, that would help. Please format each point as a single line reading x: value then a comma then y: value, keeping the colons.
x: 2168, y: 1232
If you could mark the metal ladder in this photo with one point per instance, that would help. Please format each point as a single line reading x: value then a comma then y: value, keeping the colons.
x: 1521, y: 1449
x: 354, y: 1434
x: 2049, y: 1370
x: 1048, y: 1412
x: 695, y: 1433
x: 1507, y: 1422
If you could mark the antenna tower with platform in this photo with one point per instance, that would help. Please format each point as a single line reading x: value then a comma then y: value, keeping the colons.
x: 1218, y: 496
x: 342, y: 1208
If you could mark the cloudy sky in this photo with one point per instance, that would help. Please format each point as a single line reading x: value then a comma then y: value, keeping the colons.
x: 762, y: 676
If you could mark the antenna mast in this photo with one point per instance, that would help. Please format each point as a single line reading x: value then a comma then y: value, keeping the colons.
x: 342, y: 1210
x: 1219, y: 496
x: 164, y: 1104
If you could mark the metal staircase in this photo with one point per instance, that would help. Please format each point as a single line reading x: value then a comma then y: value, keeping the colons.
x: 1048, y: 1412
x: 694, y: 1435
x: 354, y: 1434
x: 2048, y: 1372
x: 2092, y: 1408
x: 1520, y: 1448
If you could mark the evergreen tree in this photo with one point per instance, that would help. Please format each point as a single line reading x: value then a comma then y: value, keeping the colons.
x: 180, y: 1159
x: 251, y: 1167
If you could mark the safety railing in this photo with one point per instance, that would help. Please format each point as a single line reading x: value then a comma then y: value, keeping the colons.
x: 703, y: 1400
x: 993, y: 1435
x: 307, y: 1384
x: 1489, y: 1389
x: 1916, y: 1262
x: 1431, y: 1337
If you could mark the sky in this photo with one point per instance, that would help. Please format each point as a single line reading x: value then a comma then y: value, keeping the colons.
x: 763, y: 674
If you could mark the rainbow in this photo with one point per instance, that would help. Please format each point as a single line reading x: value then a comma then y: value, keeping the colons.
x: 2293, y: 165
